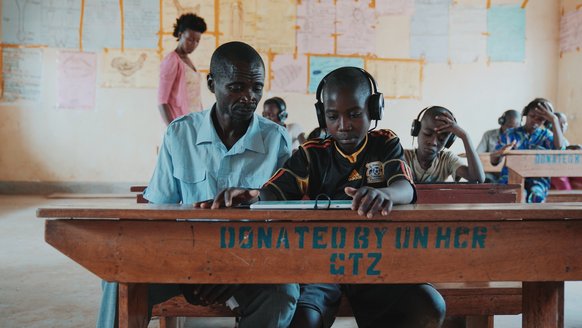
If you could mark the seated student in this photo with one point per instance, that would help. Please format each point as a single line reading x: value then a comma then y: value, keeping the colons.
x: 275, y: 109
x: 534, y: 134
x: 367, y: 167
x: 509, y: 120
x: 204, y: 152
x: 566, y: 183
x: 437, y: 129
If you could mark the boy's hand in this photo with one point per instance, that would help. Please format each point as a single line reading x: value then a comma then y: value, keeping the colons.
x: 449, y: 126
x: 544, y: 110
x: 229, y: 197
x: 369, y: 201
x: 504, y: 150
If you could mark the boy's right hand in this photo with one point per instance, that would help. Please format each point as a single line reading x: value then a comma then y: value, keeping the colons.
x: 369, y: 201
x: 230, y: 197
x: 504, y: 150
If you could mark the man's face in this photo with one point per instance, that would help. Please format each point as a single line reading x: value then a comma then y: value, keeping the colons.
x: 271, y: 112
x: 346, y: 117
x: 430, y: 143
x: 238, y: 90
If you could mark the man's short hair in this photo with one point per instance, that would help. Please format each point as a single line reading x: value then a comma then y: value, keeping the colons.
x: 229, y: 53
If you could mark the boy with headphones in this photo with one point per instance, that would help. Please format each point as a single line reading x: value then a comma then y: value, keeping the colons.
x: 436, y: 129
x: 534, y: 134
x: 366, y: 166
x: 508, y: 120
x: 275, y: 110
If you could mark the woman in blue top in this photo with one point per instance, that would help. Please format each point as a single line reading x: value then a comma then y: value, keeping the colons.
x: 534, y: 134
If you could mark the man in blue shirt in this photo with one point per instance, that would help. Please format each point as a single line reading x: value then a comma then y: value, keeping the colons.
x: 534, y: 134
x: 206, y: 152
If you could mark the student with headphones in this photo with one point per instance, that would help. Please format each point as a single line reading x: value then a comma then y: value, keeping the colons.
x: 436, y: 128
x: 534, y: 134
x: 509, y: 120
x: 362, y: 165
x: 275, y: 110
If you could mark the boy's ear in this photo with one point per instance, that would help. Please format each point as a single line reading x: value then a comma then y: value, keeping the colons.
x: 210, y: 82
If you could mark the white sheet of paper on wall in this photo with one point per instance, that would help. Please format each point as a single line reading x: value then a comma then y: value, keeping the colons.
x: 429, y: 32
x: 315, y: 27
x: 571, y: 31
x: 22, y: 74
x: 289, y: 74
x: 506, y: 33
x: 76, y: 80
x: 131, y: 68
x: 467, y: 39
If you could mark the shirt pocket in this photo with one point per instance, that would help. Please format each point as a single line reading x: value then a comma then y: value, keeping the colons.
x: 194, y: 185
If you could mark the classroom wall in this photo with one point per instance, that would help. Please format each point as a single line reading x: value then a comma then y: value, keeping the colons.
x: 117, y: 140
x: 569, y: 82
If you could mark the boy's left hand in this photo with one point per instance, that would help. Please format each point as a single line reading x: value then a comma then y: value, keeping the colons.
x: 449, y: 126
x: 369, y: 201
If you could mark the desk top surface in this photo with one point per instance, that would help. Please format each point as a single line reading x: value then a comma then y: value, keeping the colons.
x: 424, y: 212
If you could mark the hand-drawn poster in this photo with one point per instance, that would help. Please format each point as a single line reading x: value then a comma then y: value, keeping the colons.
x: 101, y: 25
x: 506, y: 27
x: 254, y: 22
x: 320, y: 66
x: 76, y: 80
x: 132, y: 68
x: 172, y: 9
x: 289, y: 74
x: 571, y: 31
x: 397, y: 78
x: 429, y: 34
x: 22, y: 73
x: 394, y: 7
x: 356, y: 28
x: 141, y: 23
x: 468, y: 42
x: 54, y: 23
x: 315, y: 27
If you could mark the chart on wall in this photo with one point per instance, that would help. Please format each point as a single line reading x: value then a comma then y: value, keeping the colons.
x: 300, y: 40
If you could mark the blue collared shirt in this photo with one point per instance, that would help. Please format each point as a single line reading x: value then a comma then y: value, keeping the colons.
x: 194, y: 165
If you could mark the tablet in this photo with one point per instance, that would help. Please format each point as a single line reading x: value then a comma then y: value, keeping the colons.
x: 303, y: 205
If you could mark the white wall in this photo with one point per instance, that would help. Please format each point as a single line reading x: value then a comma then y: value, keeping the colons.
x: 116, y: 142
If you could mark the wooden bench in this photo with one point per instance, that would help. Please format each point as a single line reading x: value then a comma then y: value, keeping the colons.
x: 477, y: 303
x: 561, y: 196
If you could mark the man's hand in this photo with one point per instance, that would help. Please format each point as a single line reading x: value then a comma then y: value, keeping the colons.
x: 369, y: 201
x: 230, y: 197
x: 208, y: 294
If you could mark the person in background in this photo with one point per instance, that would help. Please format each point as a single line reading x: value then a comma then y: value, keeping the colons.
x: 436, y: 129
x: 275, y: 109
x: 509, y: 120
x: 179, y: 90
x: 534, y: 134
x: 566, y: 183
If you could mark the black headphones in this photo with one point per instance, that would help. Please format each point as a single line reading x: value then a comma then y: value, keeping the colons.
x: 501, y: 120
x: 375, y: 101
x: 416, y: 125
x: 282, y: 109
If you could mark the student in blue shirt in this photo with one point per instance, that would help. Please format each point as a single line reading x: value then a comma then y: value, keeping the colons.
x: 202, y: 153
x: 534, y: 134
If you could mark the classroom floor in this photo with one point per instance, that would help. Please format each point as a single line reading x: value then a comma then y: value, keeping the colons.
x: 41, y: 288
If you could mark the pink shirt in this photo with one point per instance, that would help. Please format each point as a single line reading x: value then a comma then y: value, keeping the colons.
x: 174, y: 87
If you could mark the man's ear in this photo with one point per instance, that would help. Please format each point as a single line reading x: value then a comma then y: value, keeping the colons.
x: 210, y: 82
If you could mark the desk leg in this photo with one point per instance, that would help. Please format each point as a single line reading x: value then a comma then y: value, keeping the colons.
x: 543, y: 304
x: 133, y: 306
x: 515, y: 178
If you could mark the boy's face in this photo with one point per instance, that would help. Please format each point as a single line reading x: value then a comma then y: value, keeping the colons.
x: 346, y: 116
x: 271, y: 112
x: 431, y: 143
x: 533, y: 121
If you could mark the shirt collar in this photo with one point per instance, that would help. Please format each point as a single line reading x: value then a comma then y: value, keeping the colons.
x: 352, y: 158
x: 252, y: 139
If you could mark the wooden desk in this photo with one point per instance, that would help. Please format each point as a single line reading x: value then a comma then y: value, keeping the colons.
x: 542, y: 163
x: 538, y: 244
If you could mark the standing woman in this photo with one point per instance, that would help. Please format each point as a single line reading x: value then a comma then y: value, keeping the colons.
x: 179, y: 91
